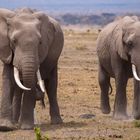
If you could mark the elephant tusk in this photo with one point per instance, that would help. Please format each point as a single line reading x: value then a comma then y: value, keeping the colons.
x: 135, y: 72
x: 17, y: 79
x: 40, y: 81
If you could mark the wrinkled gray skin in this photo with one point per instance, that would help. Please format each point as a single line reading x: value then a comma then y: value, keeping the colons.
x: 118, y: 47
x: 29, y: 41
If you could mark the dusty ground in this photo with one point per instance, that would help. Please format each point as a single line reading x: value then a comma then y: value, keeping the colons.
x: 78, y: 96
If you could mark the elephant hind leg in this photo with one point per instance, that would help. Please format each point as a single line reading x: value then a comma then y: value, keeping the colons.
x: 51, y: 87
x: 104, y: 82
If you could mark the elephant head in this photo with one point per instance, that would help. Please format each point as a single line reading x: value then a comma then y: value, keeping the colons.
x: 25, y: 40
x: 127, y: 42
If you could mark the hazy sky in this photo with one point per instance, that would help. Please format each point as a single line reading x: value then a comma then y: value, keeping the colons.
x: 71, y: 5
x: 67, y: 1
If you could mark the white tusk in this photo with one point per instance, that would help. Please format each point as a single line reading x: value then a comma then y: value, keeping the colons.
x: 40, y: 81
x: 17, y: 79
x: 135, y: 72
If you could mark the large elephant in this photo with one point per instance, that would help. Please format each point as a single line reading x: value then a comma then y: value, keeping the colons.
x: 31, y: 43
x: 118, y: 50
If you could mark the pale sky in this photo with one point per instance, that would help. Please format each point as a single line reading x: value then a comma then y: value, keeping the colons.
x: 59, y: 5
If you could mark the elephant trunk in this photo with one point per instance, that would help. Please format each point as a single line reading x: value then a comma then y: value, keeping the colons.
x: 29, y: 68
x: 28, y: 78
x: 30, y: 72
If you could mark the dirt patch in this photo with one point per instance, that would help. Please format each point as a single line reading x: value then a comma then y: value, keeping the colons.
x: 79, y: 97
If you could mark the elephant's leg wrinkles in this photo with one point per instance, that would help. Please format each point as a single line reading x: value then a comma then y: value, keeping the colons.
x: 120, y: 106
x: 51, y: 86
x: 7, y: 97
x: 16, y: 104
x: 104, y: 82
x: 27, y: 111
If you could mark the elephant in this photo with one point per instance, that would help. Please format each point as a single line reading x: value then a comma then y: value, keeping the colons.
x: 31, y: 44
x: 118, y: 48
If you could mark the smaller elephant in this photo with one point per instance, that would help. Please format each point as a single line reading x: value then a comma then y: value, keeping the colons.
x: 118, y: 50
x: 30, y: 45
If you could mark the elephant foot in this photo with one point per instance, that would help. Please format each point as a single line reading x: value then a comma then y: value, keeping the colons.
x: 56, y: 120
x: 136, y: 116
x: 27, y: 126
x: 120, y: 116
x: 6, y: 125
x: 105, y: 109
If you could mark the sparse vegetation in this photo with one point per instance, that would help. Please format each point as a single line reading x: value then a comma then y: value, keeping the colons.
x: 136, y: 123
x: 39, y: 135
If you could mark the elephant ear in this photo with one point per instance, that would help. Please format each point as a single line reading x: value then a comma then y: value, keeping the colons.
x: 118, y: 42
x: 119, y: 35
x: 47, y: 34
x: 5, y: 51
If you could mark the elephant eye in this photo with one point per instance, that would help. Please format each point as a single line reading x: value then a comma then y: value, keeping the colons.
x: 40, y: 42
x: 130, y: 44
x: 14, y: 41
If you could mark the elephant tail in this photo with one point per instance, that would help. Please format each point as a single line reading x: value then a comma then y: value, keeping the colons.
x: 42, y: 103
x: 110, y: 89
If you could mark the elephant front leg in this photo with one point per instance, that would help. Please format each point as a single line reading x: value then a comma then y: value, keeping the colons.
x: 51, y: 86
x: 16, y: 105
x: 27, y: 111
x: 6, y: 100
x: 120, y: 106
x: 136, y: 102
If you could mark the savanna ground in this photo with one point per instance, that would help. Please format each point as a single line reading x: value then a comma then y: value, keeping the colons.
x: 79, y: 97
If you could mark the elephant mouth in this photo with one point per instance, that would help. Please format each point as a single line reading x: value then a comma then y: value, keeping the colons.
x: 18, y: 82
x: 134, y: 70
